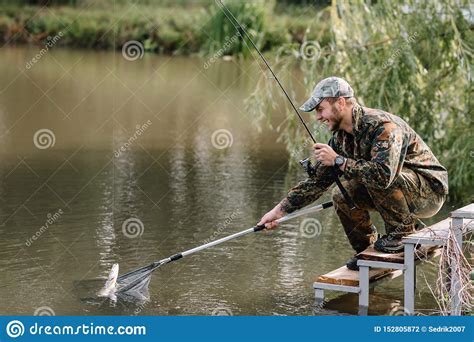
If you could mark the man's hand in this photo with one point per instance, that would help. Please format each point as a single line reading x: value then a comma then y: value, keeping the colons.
x: 269, y: 218
x: 325, y: 154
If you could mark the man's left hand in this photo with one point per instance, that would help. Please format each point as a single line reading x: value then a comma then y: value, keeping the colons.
x: 325, y: 154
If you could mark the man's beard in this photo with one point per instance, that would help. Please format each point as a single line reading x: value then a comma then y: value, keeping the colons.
x: 337, y: 118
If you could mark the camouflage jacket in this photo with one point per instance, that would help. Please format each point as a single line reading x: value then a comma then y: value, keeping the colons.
x: 380, y: 146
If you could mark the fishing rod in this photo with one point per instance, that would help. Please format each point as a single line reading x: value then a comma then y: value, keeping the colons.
x: 136, y: 278
x: 306, y: 163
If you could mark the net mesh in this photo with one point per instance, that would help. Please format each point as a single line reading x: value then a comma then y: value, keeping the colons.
x: 136, y: 281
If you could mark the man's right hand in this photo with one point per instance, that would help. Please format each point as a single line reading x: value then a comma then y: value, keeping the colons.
x: 269, y: 218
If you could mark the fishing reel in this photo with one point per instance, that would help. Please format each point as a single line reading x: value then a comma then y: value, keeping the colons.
x: 311, y: 169
x: 308, y: 167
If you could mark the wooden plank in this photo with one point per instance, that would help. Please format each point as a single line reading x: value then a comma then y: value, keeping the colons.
x: 464, y: 212
x: 371, y: 254
x: 436, y: 232
x: 335, y: 287
x: 344, y: 276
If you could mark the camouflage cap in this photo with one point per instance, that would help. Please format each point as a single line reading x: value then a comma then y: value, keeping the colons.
x: 329, y: 87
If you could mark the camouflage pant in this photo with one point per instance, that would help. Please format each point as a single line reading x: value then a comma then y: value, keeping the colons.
x: 410, y: 196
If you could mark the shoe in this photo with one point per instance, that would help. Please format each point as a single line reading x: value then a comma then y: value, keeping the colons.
x: 352, y: 263
x: 389, y: 244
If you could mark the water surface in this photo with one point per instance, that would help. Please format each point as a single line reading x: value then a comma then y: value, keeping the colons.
x: 183, y: 189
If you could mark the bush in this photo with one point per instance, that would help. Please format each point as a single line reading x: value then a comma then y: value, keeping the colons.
x: 219, y: 30
x: 183, y: 28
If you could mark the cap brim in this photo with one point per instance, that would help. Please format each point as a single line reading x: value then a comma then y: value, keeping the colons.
x: 310, y: 104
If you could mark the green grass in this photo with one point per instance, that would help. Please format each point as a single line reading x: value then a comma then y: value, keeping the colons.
x: 180, y: 27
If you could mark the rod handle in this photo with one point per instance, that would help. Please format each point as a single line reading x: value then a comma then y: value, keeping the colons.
x: 176, y: 257
x: 327, y: 204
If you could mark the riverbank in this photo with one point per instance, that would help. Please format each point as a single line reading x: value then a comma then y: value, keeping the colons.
x: 166, y: 29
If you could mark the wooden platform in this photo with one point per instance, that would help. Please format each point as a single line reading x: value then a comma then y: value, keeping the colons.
x: 376, y: 267
x: 344, y: 276
x: 371, y: 254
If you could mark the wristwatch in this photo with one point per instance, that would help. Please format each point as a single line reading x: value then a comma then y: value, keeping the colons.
x: 339, y: 161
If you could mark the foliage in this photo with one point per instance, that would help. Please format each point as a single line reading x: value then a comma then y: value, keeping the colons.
x: 251, y: 15
x: 412, y: 60
x: 182, y: 27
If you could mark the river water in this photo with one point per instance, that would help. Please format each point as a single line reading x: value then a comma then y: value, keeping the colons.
x: 105, y: 160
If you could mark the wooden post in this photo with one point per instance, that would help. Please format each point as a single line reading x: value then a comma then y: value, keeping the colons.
x: 319, y: 294
x: 364, y: 286
x: 455, y: 270
x: 457, y: 217
x: 409, y: 278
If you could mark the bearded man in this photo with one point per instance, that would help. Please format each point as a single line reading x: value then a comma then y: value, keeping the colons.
x: 386, y: 165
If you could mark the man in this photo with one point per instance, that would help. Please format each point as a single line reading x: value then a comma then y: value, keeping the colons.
x: 386, y: 167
